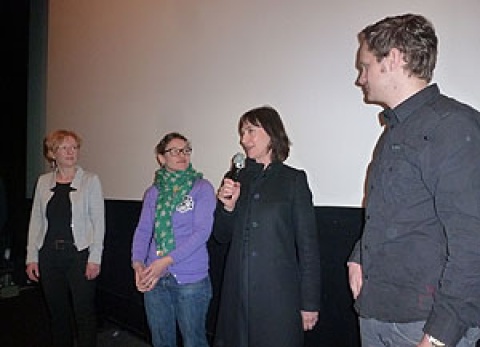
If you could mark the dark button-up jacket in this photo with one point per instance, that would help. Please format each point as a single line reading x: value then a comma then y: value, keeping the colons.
x: 273, y: 265
x: 420, y: 249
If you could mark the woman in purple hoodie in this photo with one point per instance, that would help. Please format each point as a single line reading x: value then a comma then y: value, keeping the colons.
x: 169, y: 252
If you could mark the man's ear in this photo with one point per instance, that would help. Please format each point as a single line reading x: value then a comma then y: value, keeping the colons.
x: 395, y: 59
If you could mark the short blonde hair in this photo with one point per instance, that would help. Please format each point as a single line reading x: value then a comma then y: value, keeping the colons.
x: 52, y: 141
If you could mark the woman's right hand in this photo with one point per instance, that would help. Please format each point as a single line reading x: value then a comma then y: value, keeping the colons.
x: 228, y: 193
x: 146, y: 277
x: 139, y: 269
x: 32, y: 271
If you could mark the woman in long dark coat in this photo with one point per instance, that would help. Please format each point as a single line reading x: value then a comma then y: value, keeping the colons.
x: 271, y: 286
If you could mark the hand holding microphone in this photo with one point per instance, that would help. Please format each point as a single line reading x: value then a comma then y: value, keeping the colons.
x: 238, y: 163
x: 230, y: 189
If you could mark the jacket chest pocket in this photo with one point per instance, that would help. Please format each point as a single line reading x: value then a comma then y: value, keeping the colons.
x: 399, y: 172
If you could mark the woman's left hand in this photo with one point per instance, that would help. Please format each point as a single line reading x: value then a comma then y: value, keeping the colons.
x: 309, y: 320
x: 92, y: 271
x: 154, y: 271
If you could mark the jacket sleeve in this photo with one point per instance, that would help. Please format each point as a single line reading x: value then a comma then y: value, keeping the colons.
x: 355, y: 256
x: 96, y: 214
x: 143, y: 235
x: 35, y: 226
x: 308, y: 244
x: 205, y: 199
x: 454, y: 181
x: 223, y: 224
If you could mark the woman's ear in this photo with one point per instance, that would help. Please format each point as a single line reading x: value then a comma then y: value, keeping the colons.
x: 160, y: 159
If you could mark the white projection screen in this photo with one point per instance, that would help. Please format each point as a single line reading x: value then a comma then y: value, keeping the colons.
x: 123, y: 73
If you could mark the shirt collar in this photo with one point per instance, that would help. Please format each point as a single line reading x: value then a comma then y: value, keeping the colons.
x: 401, y: 112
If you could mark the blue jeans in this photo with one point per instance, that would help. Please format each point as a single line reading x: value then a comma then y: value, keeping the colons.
x: 375, y: 333
x: 187, y: 304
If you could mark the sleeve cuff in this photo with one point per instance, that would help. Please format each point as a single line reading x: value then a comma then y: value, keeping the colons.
x: 444, y: 328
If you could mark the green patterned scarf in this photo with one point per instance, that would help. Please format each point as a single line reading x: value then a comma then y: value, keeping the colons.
x: 172, y: 188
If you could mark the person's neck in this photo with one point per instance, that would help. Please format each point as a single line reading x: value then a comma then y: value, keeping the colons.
x: 405, y: 90
x: 65, y: 175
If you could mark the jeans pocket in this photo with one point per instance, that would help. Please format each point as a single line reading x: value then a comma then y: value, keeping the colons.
x: 411, y: 333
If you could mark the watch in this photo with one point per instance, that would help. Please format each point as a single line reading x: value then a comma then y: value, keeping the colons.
x: 434, y: 342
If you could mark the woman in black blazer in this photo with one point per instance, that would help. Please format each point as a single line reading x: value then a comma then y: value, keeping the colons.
x: 271, y: 287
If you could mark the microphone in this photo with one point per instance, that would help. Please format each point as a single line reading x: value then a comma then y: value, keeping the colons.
x: 238, y: 163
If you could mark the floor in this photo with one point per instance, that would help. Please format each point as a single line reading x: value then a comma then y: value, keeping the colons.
x: 23, y: 322
x: 113, y: 336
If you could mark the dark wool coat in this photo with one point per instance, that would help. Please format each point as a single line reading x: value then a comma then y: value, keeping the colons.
x: 272, y: 269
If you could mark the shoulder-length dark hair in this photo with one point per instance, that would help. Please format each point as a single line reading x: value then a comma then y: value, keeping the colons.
x: 269, y: 119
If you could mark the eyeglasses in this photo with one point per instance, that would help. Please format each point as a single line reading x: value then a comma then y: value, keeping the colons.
x: 68, y: 148
x: 175, y: 152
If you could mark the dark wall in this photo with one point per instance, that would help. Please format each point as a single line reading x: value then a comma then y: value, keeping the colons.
x: 338, y: 227
x: 118, y: 298
x: 14, y: 19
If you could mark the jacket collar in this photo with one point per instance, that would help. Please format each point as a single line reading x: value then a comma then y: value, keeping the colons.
x: 256, y: 168
x: 75, y: 182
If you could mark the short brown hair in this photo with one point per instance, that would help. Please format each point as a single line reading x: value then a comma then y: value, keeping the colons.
x: 52, y: 141
x: 411, y: 34
x: 162, y: 145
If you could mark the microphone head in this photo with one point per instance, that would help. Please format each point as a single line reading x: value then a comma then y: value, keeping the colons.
x: 238, y: 161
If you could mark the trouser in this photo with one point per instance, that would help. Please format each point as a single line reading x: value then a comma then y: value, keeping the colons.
x: 170, y: 302
x: 70, y: 297
x: 375, y: 333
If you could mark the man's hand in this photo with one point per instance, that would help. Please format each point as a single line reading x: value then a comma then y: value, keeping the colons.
x: 355, y: 278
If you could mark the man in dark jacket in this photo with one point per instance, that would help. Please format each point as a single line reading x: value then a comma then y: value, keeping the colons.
x: 415, y: 273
